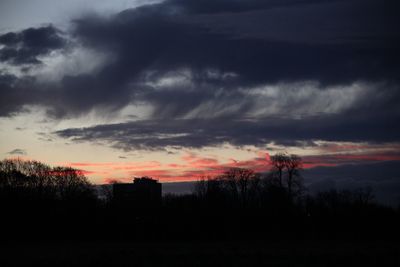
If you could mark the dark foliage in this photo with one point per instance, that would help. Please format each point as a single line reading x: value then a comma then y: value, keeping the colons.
x: 39, y: 202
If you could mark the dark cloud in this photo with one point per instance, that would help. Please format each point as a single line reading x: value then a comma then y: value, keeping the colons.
x: 332, y: 42
x: 26, y: 46
x: 158, y: 134
x: 226, y: 49
x: 329, y: 42
x: 14, y: 94
x: 17, y: 151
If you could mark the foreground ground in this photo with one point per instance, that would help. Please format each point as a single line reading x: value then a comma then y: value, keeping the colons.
x: 281, y: 253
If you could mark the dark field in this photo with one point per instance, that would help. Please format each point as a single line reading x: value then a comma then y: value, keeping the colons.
x: 284, y: 253
x: 240, y: 219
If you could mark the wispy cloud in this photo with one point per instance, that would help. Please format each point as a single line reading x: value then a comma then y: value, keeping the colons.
x: 17, y: 151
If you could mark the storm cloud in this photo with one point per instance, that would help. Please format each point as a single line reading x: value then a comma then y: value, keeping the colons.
x: 197, y: 133
x: 27, y: 46
x: 242, y: 72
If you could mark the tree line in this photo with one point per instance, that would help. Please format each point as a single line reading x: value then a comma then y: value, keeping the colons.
x: 240, y: 203
x: 37, y: 181
x: 245, y: 186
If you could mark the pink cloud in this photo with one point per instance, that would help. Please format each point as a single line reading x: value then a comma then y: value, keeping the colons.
x: 138, y: 166
x: 340, y: 159
x: 177, y: 166
x: 194, y: 166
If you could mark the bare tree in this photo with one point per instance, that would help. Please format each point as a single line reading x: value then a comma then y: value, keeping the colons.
x: 71, y: 183
x: 39, y: 180
x: 293, y: 166
x: 237, y: 184
x: 240, y: 183
x: 279, y: 163
x: 364, y: 195
x: 286, y: 170
x: 200, y: 187
x: 209, y: 189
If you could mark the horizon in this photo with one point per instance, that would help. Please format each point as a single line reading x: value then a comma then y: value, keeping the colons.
x: 177, y: 90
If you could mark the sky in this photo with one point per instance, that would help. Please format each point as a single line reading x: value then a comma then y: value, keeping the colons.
x: 179, y: 89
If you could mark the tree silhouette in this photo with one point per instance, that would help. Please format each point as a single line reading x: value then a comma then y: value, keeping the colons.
x: 293, y: 167
x: 240, y: 184
x: 57, y: 201
x: 364, y: 195
x: 287, y: 168
x: 32, y: 179
x: 71, y: 183
x: 278, y: 163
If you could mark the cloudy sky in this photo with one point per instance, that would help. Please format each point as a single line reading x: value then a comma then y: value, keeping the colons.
x: 178, y: 88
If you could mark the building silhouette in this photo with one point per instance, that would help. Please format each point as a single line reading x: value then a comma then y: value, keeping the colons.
x: 144, y: 192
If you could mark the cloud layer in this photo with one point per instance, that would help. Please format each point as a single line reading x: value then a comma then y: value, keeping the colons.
x: 27, y: 46
x: 197, y: 133
x: 214, y: 72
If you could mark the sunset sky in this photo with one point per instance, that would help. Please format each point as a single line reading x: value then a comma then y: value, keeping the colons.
x: 178, y: 89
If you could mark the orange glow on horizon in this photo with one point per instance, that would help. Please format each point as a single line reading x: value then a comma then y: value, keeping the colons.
x: 192, y: 166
